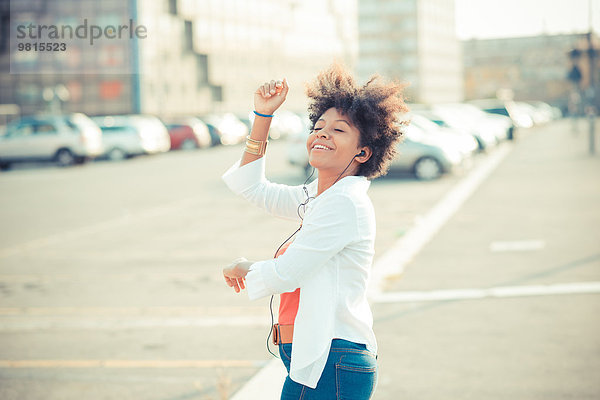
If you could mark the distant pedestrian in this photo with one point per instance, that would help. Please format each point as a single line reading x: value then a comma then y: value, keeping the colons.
x: 325, y: 326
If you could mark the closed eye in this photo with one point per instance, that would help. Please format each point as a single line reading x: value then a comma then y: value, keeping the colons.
x: 318, y: 129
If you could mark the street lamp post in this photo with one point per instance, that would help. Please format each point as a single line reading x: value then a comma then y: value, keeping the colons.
x: 591, y: 93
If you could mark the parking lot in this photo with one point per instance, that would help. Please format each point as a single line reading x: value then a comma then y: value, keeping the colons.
x: 110, y: 278
x: 110, y: 273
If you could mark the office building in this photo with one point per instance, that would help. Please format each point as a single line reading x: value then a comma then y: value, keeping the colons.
x: 529, y: 68
x: 196, y: 56
x: 413, y: 41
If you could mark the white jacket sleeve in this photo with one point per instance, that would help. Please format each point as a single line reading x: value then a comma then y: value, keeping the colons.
x: 329, y: 227
x: 279, y: 200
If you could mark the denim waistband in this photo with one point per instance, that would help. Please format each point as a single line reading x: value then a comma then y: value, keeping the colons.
x: 346, y: 344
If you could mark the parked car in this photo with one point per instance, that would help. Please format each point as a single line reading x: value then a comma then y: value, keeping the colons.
x: 64, y: 139
x: 537, y: 114
x: 465, y: 143
x: 509, y: 109
x: 248, y: 121
x: 151, y: 135
x: 284, y: 124
x: 120, y: 140
x: 215, y: 134
x: 477, y: 121
x: 552, y: 112
x: 297, y: 154
x: 189, y: 133
x: 232, y: 130
x: 448, y: 119
x: 427, y: 155
x: 498, y: 125
x: 154, y: 129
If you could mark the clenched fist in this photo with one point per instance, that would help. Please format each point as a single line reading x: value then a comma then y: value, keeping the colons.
x: 270, y: 96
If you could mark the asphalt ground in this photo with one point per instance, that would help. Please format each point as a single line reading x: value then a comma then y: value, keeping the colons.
x: 534, y: 222
x: 110, y: 274
x: 110, y: 281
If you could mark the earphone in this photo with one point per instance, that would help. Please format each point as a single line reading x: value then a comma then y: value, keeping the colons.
x: 308, y: 198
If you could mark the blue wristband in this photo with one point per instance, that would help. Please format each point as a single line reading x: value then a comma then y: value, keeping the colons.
x: 263, y: 115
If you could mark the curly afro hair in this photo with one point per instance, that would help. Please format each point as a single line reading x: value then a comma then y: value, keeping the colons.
x: 373, y: 108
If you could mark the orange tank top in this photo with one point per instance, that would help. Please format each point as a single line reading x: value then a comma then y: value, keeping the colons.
x: 288, y: 302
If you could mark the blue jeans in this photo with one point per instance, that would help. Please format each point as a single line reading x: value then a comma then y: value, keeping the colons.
x: 350, y: 374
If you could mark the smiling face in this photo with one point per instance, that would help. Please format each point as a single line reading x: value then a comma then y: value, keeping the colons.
x: 333, y: 144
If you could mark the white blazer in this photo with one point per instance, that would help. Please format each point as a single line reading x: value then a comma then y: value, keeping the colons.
x: 329, y: 260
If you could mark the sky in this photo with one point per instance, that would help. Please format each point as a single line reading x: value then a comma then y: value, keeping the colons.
x: 510, y: 18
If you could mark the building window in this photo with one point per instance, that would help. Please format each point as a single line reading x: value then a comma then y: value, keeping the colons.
x: 188, y: 39
x: 172, y: 6
x: 217, y: 93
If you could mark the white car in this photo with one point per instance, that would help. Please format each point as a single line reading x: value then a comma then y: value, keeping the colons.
x: 233, y: 131
x: 508, y: 109
x: 155, y: 133
x: 499, y: 125
x: 456, y: 121
x: 120, y: 141
x: 465, y: 143
x: 134, y: 134
x: 64, y: 139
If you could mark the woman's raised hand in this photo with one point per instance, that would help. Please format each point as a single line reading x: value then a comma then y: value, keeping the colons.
x: 270, y: 96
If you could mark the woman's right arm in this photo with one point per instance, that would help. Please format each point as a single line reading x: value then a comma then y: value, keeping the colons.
x: 248, y: 180
x: 267, y: 99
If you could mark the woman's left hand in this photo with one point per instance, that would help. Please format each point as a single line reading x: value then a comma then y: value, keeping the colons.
x: 236, y: 272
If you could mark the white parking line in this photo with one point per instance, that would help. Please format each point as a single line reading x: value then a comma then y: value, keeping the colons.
x: 495, y: 292
x: 273, y: 373
x: 16, y: 320
x: 392, y: 262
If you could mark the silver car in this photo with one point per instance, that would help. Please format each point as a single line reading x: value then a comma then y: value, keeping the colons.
x: 427, y: 155
x: 64, y: 139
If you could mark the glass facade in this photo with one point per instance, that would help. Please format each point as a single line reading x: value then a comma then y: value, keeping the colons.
x: 198, y: 56
x: 94, y: 77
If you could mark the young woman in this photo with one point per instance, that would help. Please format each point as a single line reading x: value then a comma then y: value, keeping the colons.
x: 325, y: 333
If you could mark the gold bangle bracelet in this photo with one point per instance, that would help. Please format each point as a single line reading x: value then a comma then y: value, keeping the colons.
x: 256, y: 147
x: 251, y: 151
x: 253, y: 141
x: 254, y: 151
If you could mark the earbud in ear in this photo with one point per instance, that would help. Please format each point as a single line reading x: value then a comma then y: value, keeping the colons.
x: 362, y: 153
